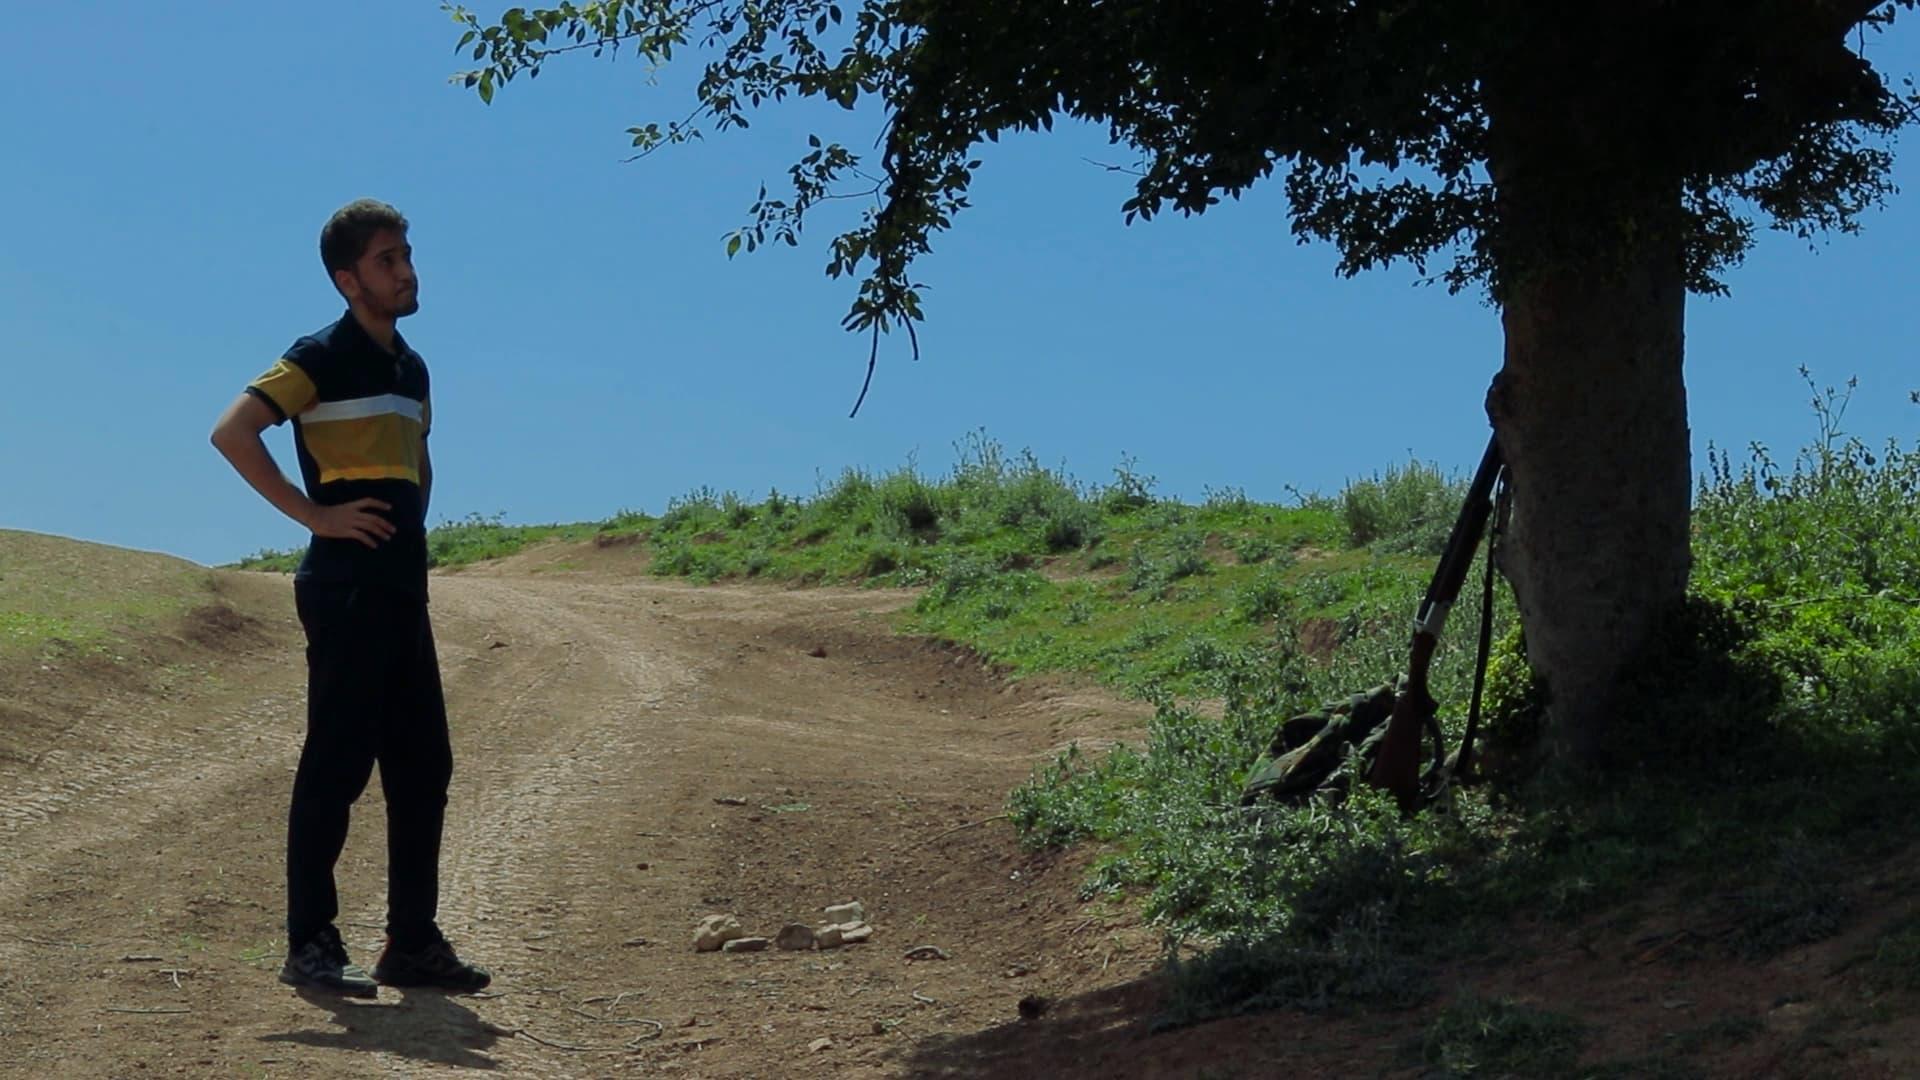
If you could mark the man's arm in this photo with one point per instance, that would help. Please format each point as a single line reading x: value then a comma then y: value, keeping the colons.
x: 426, y: 479
x: 237, y: 436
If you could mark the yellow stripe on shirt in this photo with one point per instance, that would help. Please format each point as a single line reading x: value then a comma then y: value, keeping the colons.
x: 383, y: 446
x: 287, y: 387
x: 369, y: 472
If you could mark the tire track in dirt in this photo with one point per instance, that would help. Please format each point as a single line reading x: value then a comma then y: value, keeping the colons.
x: 541, y: 747
x: 596, y: 719
x: 148, y: 756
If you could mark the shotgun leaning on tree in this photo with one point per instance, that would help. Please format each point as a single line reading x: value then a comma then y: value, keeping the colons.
x: 1396, y: 767
x: 1314, y: 752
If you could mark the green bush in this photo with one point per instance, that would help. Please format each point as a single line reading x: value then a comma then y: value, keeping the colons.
x: 695, y: 511
x: 1131, y: 490
x: 1266, y: 597
x: 1154, y: 565
x: 1409, y: 509
x: 1475, y: 1037
x: 910, y: 506
x: 957, y: 577
x: 1254, y: 549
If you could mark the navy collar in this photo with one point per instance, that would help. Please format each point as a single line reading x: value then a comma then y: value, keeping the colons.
x: 351, y: 325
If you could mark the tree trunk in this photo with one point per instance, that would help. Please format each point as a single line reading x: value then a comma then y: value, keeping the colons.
x: 1590, y: 408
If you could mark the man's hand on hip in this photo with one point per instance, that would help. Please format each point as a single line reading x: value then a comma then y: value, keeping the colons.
x: 353, y: 521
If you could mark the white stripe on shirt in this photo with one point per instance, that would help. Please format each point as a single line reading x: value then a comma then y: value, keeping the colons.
x: 361, y: 408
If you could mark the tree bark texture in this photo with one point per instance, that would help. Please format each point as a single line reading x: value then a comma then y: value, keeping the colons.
x: 1590, y: 407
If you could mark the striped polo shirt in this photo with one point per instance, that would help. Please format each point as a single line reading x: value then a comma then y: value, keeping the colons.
x: 360, y: 418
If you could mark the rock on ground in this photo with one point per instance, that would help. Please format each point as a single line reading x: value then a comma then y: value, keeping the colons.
x: 715, y: 931
x: 846, y: 913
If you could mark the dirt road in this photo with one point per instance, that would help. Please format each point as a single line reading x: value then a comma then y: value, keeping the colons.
x: 600, y: 718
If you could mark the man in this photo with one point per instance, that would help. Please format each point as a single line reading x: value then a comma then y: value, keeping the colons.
x: 359, y: 402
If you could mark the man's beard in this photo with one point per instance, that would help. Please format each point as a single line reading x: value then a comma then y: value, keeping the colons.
x: 401, y: 304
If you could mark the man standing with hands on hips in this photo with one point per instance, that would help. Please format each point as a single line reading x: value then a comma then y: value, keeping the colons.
x: 358, y: 398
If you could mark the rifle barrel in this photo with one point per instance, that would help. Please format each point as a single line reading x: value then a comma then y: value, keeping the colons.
x: 1461, y: 545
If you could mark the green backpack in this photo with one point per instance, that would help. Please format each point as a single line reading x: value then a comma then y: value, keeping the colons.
x: 1321, y: 751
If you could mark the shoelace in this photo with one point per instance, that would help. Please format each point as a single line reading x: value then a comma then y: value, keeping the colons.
x: 331, y: 946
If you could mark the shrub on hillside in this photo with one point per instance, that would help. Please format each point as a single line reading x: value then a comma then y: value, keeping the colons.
x: 1131, y: 489
x: 910, y: 506
x: 1154, y: 565
x: 1255, y: 549
x: 844, y: 497
x: 1409, y: 509
x: 695, y: 511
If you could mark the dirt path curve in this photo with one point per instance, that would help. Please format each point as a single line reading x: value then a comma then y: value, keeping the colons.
x: 599, y: 718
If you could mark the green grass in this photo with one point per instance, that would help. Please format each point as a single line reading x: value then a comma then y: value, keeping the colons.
x: 88, y: 625
x: 263, y: 954
x: 62, y: 596
x: 26, y: 630
x: 1475, y: 1037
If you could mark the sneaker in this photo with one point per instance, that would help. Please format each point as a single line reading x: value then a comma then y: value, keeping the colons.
x: 322, y: 964
x: 432, y: 965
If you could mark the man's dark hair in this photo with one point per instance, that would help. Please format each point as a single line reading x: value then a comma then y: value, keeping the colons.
x: 351, y: 228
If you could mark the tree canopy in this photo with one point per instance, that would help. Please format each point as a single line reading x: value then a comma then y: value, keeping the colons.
x: 1401, y: 129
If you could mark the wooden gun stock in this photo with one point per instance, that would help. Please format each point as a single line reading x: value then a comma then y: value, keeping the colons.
x: 1396, y: 765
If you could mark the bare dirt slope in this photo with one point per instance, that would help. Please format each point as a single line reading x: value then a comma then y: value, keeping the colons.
x: 600, y: 718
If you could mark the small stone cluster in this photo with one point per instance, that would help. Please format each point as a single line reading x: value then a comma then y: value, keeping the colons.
x: 846, y: 924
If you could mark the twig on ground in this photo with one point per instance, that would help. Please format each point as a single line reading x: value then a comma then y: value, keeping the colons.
x: 48, y: 944
x: 659, y: 1028
x: 606, y: 1016
x: 160, y: 1009
x: 961, y: 828
x: 140, y: 958
x: 614, y: 1000
x: 523, y: 1033
x: 923, y: 999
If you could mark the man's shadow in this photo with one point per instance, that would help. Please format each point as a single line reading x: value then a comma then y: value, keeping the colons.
x: 427, y: 1025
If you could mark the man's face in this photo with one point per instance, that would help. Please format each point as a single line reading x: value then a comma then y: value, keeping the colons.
x: 383, y: 280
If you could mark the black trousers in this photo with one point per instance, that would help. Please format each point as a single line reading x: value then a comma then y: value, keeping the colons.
x: 373, y: 695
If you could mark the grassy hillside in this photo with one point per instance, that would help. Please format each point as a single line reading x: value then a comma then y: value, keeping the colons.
x: 63, y: 594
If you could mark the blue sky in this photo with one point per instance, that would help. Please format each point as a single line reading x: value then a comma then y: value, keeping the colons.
x: 169, y: 167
